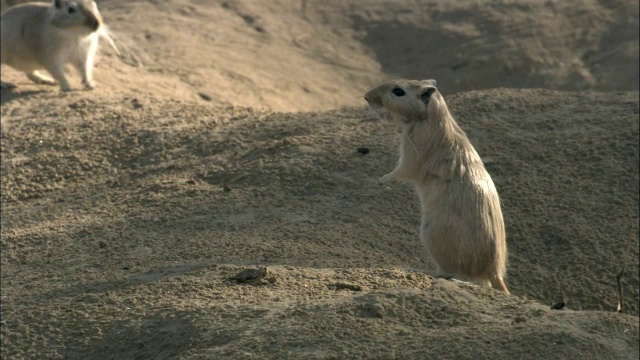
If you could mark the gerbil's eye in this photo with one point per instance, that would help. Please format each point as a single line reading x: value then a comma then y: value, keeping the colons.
x: 71, y: 10
x: 398, y: 92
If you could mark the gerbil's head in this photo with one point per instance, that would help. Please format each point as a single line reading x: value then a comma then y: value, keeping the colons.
x: 79, y: 14
x: 405, y: 100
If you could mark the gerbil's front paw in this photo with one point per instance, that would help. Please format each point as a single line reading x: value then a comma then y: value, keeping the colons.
x: 385, y: 179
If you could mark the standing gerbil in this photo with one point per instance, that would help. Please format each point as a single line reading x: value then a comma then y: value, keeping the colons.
x: 37, y: 36
x: 462, y: 226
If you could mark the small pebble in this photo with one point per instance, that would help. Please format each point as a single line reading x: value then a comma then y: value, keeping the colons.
x: 249, y: 275
x: 519, y: 319
x: 558, y: 306
x: 136, y: 104
x: 345, y: 286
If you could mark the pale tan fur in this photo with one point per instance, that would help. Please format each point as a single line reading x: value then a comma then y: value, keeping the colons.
x: 462, y: 226
x: 37, y: 36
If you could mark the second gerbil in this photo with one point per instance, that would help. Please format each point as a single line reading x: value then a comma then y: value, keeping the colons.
x: 37, y: 37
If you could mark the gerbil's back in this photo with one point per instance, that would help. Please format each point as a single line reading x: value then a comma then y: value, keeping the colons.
x: 21, y: 27
x: 18, y: 20
x: 32, y: 12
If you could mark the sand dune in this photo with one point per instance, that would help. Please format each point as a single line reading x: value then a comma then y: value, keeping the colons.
x: 287, y: 55
x: 225, y: 138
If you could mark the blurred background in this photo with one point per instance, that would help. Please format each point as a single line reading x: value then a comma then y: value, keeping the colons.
x: 299, y: 55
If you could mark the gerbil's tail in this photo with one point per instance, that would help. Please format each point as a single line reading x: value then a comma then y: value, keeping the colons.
x: 126, y: 49
x: 498, y: 283
x: 107, y: 35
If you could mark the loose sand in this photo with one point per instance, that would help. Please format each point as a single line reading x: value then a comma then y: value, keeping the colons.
x: 226, y: 139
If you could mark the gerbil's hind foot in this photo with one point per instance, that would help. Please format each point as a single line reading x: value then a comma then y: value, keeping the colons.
x: 452, y: 279
x: 444, y: 276
x: 38, y: 78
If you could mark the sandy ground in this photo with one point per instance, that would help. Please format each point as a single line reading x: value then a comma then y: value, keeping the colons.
x: 225, y: 138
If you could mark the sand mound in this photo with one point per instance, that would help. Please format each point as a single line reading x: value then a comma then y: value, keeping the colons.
x: 127, y: 211
x: 123, y: 220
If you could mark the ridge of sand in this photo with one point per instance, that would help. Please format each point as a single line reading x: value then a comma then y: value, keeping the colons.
x: 124, y: 218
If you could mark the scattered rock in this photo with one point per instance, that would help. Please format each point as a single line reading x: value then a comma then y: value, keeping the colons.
x: 250, y: 275
x: 345, y: 286
x: 204, y: 96
x: 410, y: 277
x: 136, y: 104
x: 372, y: 311
x: 519, y: 319
x: 558, y: 306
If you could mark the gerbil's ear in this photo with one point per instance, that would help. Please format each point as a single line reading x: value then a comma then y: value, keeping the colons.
x: 57, y: 4
x: 426, y: 93
x: 430, y: 82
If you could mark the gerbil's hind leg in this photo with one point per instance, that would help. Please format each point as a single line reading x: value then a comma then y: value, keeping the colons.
x: 39, y: 78
x: 482, y: 282
x: 498, y: 283
x: 441, y: 274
